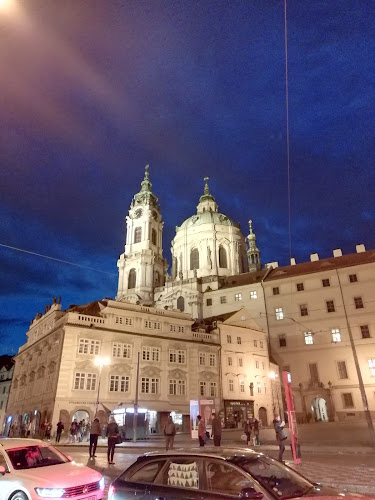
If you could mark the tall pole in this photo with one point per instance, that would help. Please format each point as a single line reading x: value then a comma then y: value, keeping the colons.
x: 97, y: 397
x: 358, y: 369
x: 135, y: 414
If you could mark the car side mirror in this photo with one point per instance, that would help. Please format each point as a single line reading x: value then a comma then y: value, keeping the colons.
x: 2, y: 470
x: 251, y: 493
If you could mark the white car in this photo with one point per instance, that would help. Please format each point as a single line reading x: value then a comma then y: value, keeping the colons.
x: 31, y: 470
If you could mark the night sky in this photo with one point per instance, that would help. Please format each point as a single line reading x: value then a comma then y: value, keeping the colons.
x: 93, y: 90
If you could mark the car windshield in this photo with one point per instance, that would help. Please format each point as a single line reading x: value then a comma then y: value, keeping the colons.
x: 29, y: 457
x: 279, y: 480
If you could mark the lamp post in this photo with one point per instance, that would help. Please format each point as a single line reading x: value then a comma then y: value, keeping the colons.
x: 274, y: 376
x: 100, y: 361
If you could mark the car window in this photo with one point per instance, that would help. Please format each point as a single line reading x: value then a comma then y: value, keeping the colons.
x: 30, y: 457
x: 182, y: 473
x: 147, y: 473
x: 276, y: 478
x: 225, y: 479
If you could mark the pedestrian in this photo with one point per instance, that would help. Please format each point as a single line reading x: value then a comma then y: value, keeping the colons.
x: 95, y: 432
x: 280, y: 436
x: 59, y: 429
x: 216, y: 429
x: 169, y: 433
x: 247, y: 430
x: 112, y: 434
x: 201, y: 431
x: 256, y: 432
x: 48, y: 431
x: 73, y: 431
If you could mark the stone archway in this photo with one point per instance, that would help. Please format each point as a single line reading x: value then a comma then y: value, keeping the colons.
x: 263, y: 416
x: 319, y: 409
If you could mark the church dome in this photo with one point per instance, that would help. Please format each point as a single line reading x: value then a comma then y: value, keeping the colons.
x: 208, y: 243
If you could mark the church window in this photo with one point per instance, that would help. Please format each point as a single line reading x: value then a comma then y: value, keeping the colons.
x: 137, y: 234
x: 153, y: 236
x: 132, y: 278
x: 223, y: 258
x: 181, y: 304
x: 194, y: 259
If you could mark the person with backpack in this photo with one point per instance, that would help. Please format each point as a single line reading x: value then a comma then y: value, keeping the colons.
x: 169, y: 433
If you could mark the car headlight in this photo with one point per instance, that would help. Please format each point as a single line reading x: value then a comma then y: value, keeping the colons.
x: 101, y: 483
x: 50, y: 492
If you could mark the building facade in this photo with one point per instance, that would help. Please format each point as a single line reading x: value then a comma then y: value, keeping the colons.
x: 6, y: 373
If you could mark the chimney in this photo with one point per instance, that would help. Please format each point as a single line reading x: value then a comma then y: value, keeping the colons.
x: 292, y: 261
x: 314, y: 257
x: 360, y: 248
x: 271, y: 264
x: 337, y: 252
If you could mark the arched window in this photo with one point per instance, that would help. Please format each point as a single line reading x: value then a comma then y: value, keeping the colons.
x: 194, y: 259
x: 181, y: 304
x: 132, y: 278
x: 137, y: 234
x: 223, y: 257
x: 153, y: 236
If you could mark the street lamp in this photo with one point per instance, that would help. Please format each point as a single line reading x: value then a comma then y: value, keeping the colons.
x: 100, y: 361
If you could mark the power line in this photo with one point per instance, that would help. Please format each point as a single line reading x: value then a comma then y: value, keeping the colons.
x: 56, y: 259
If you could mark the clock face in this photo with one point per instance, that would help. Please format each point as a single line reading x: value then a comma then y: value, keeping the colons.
x: 137, y: 213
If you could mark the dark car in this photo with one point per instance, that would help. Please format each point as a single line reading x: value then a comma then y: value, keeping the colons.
x: 217, y: 474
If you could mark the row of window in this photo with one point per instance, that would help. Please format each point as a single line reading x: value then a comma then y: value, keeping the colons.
x: 242, y: 387
x: 330, y: 306
x: 239, y: 341
x: 335, y: 333
x: 148, y: 385
x: 352, y: 278
x: 149, y: 353
x: 138, y: 235
x: 341, y: 370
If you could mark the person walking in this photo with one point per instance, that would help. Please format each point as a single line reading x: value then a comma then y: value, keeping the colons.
x: 112, y: 434
x: 95, y: 432
x: 48, y: 431
x: 247, y: 430
x: 280, y: 436
x: 169, y: 433
x: 59, y: 429
x: 201, y: 431
x: 216, y: 429
x: 256, y: 432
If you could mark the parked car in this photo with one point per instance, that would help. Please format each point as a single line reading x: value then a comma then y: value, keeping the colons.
x: 31, y: 470
x: 213, y: 475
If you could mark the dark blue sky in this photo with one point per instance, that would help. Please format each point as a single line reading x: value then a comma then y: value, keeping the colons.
x: 91, y: 91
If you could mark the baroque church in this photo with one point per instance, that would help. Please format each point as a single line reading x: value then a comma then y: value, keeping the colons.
x: 218, y: 330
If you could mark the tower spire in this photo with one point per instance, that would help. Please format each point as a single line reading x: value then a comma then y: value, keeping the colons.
x: 253, y: 253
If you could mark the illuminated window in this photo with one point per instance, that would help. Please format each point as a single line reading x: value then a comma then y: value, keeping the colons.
x: 371, y: 365
x: 259, y: 388
x: 253, y: 294
x: 336, y: 335
x: 238, y: 297
x: 309, y: 339
x: 279, y: 313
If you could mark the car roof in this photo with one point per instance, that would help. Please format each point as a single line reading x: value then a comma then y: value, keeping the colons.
x: 8, y: 443
x: 217, y: 452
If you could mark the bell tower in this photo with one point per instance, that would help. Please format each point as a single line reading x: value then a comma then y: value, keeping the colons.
x: 253, y: 253
x: 141, y: 266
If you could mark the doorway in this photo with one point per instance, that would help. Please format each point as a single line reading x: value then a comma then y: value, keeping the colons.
x: 263, y: 416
